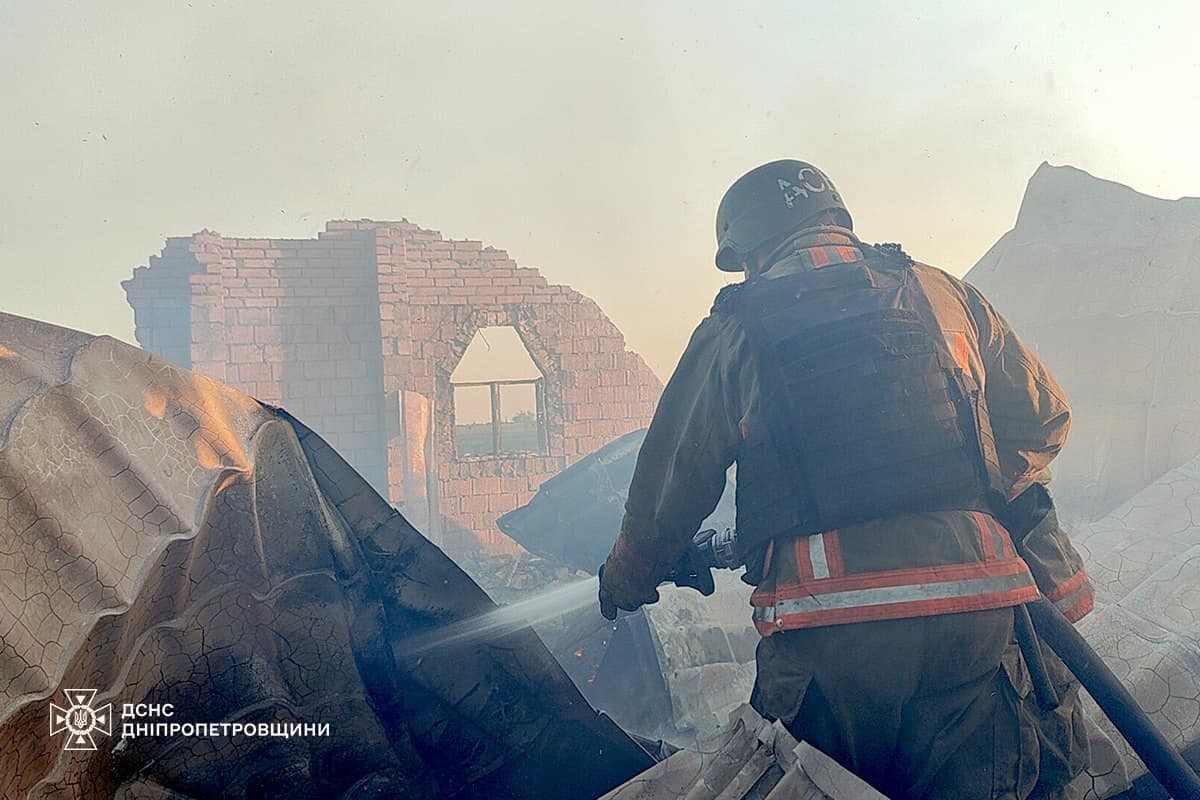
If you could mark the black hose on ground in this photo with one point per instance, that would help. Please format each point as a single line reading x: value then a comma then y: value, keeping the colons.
x: 1160, y: 758
x: 1031, y: 649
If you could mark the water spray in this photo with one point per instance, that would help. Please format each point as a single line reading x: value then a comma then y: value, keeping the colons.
x: 713, y: 549
x: 542, y: 606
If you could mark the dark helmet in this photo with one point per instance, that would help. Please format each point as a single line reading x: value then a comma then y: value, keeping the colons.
x: 769, y: 201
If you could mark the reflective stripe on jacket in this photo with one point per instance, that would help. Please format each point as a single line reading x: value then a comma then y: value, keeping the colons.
x: 807, y: 584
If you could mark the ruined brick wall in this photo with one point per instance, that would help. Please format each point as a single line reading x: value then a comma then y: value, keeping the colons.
x: 434, y: 295
x: 340, y: 328
x: 292, y: 322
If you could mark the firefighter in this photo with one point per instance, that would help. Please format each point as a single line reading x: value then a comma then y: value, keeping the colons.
x: 881, y: 415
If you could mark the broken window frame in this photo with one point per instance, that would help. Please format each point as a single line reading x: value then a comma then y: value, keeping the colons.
x: 497, y: 424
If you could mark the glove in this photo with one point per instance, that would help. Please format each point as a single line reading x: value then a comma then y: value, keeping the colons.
x: 621, y: 588
x: 694, y: 571
x: 1025, y: 512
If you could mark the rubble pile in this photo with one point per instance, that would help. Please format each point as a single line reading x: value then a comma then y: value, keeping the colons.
x: 508, y: 577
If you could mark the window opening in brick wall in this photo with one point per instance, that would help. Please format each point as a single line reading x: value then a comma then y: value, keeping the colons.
x: 499, y: 398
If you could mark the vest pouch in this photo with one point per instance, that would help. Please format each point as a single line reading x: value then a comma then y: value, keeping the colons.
x: 865, y: 415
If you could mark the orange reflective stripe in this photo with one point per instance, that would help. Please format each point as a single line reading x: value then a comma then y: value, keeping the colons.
x: 833, y: 554
x: 819, y: 592
x: 1074, y: 597
x: 913, y: 576
x: 896, y: 602
x: 986, y: 545
x: 825, y: 556
x: 818, y: 557
x: 993, y: 537
x: 1008, y: 551
x: 848, y: 254
x: 803, y: 561
x: 767, y: 558
x: 1077, y: 608
x: 819, y: 256
x: 1068, y: 586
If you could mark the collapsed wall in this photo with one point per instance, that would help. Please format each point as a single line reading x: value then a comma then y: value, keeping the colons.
x: 358, y: 333
x: 1104, y: 282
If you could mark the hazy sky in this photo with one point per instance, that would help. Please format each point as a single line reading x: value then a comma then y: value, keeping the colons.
x: 592, y: 140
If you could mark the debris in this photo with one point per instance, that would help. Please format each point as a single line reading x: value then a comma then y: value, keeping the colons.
x: 1144, y: 559
x: 748, y: 758
x: 188, y: 551
x: 575, y: 516
x: 674, y: 669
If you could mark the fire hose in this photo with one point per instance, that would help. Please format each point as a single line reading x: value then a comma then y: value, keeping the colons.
x: 1162, y: 760
x: 1041, y: 620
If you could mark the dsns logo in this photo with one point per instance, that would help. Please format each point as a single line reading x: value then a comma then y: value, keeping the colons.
x: 80, y: 720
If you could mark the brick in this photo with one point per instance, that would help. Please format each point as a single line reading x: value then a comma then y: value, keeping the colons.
x: 252, y: 316
x: 312, y: 352
x: 245, y: 353
x: 345, y: 351
x: 274, y: 353
x: 266, y: 335
x: 338, y: 425
x: 319, y: 369
x: 474, y: 503
x: 208, y: 352
x: 500, y: 503
x: 253, y: 373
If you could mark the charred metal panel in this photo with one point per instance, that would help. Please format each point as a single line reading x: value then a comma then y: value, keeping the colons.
x: 165, y: 539
x: 575, y: 516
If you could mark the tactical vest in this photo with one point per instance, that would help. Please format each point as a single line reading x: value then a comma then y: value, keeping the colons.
x: 863, y: 412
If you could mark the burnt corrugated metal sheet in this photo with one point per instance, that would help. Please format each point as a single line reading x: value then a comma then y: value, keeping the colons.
x: 574, y: 517
x: 166, y: 539
x: 1144, y: 559
x: 749, y: 759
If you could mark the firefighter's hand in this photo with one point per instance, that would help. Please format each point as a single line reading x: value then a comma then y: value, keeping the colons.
x: 621, y: 588
x: 693, y: 571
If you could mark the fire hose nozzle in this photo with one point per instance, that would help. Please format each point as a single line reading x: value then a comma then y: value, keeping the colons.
x: 718, y: 549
